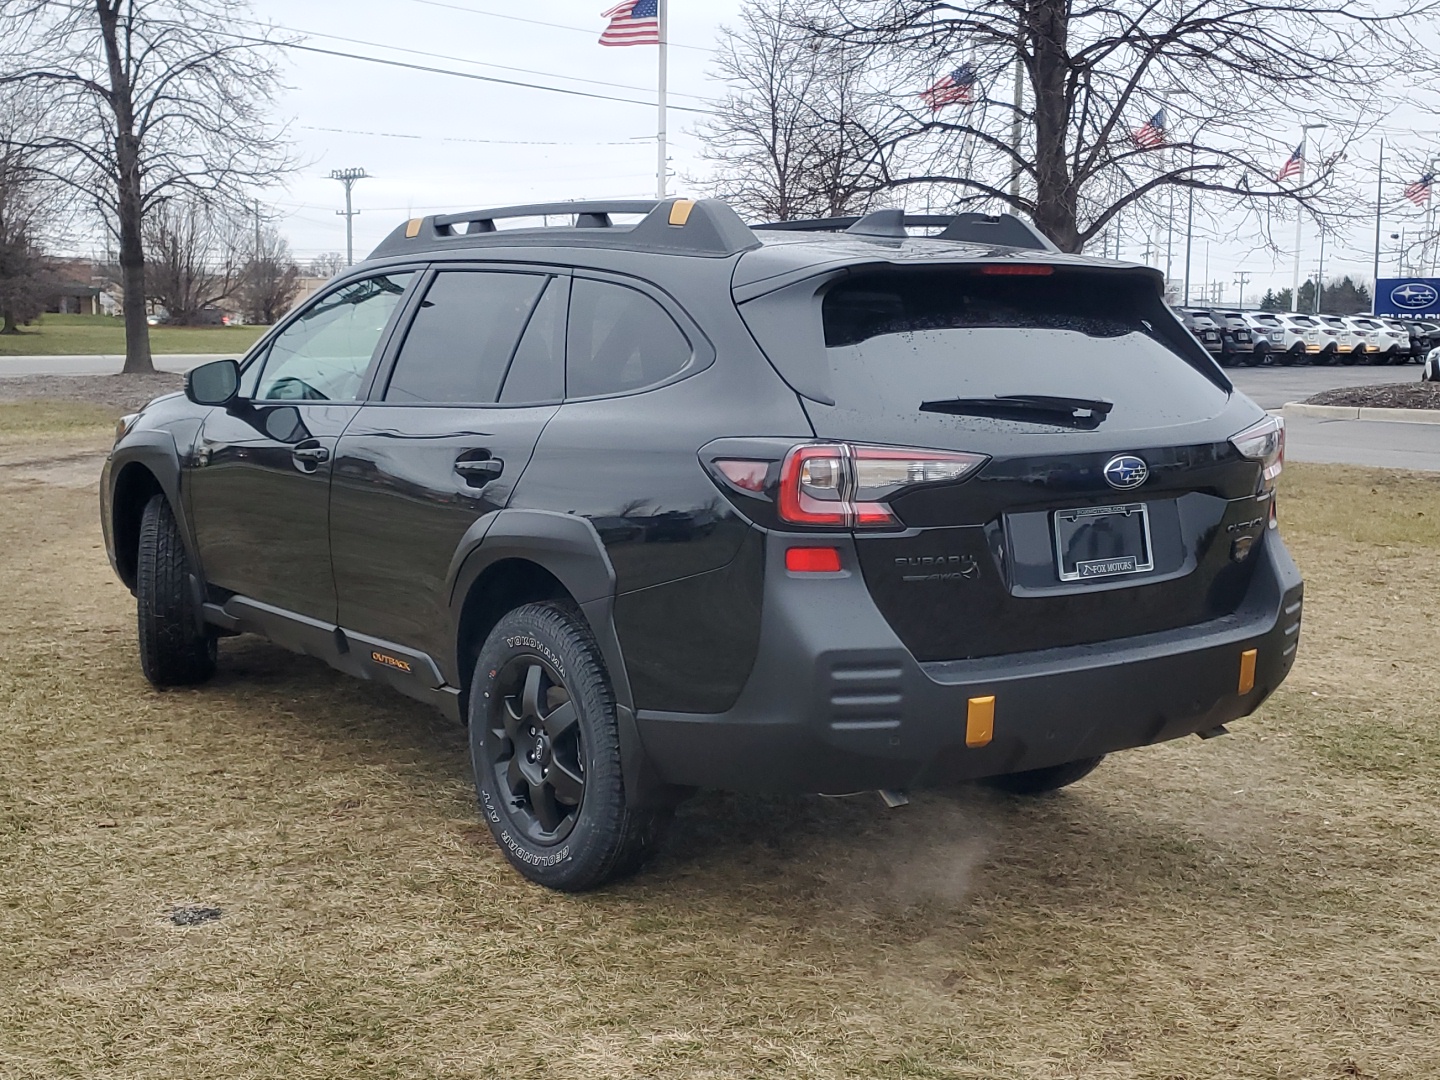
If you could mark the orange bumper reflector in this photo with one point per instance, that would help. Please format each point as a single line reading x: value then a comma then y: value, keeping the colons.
x: 680, y: 211
x: 1247, y: 670
x: 412, y: 228
x: 980, y: 721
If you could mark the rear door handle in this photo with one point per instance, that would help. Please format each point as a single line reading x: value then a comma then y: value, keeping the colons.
x: 479, y: 471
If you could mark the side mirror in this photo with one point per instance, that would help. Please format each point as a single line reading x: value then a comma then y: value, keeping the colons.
x: 215, y: 383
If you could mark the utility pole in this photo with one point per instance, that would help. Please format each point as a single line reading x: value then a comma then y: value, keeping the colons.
x: 1242, y: 279
x: 348, y: 178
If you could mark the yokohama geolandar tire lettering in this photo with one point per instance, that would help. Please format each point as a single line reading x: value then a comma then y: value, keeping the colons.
x: 173, y: 651
x: 546, y: 753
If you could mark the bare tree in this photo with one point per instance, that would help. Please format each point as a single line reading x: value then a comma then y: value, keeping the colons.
x: 1231, y: 82
x: 271, y: 280
x: 147, y: 100
x: 794, y: 137
x: 326, y: 265
x: 26, y: 203
x: 193, y: 255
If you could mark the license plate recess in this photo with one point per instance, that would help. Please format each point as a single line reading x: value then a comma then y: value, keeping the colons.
x: 1093, y: 543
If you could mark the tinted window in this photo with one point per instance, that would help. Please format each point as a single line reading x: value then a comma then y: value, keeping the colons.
x: 463, y: 336
x: 323, y: 355
x: 619, y: 339
x: 537, y: 372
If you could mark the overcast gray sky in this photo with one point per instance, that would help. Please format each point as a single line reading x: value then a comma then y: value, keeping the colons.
x: 436, y: 142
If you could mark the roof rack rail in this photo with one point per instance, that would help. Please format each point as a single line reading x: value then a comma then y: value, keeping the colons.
x: 705, y: 227
x: 1003, y: 230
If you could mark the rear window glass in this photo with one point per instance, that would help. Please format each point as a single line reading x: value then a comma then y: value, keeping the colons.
x: 1268, y: 320
x: 896, y: 338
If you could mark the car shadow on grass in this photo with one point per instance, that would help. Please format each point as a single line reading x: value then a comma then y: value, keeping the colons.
x: 1089, y: 847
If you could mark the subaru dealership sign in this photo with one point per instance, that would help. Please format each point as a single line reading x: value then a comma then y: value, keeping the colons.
x: 1407, y: 296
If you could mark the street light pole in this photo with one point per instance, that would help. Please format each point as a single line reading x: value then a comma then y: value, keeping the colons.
x: 348, y: 178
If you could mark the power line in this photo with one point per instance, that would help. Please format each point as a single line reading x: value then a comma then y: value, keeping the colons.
x: 461, y: 59
x: 587, y: 30
x: 458, y: 74
x: 459, y: 139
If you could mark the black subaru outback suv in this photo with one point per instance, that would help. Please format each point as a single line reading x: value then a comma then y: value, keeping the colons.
x: 814, y: 507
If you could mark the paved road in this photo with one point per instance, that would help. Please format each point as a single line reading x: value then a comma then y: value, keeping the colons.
x: 1363, y: 442
x: 1272, y: 387
x: 90, y: 365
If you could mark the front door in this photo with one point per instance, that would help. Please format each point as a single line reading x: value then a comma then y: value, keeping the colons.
x: 442, y: 442
x: 259, y: 483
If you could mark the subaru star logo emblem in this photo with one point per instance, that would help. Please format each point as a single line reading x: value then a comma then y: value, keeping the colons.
x: 1126, y: 471
x: 1413, y: 295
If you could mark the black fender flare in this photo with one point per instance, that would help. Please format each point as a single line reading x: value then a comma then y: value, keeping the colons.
x: 568, y: 547
x: 565, y: 545
x: 155, y: 450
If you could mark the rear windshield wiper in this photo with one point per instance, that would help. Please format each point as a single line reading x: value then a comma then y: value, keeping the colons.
x: 1082, y: 414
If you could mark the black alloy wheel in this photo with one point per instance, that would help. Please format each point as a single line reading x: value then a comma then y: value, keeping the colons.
x: 545, y: 748
x: 534, y: 749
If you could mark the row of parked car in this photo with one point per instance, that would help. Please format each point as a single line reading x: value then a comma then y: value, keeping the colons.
x: 1253, y: 338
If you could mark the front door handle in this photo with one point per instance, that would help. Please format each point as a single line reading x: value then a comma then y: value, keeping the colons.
x: 479, y: 471
x: 308, y: 455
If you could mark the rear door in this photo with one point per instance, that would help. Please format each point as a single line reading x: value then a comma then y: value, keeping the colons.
x: 448, y: 431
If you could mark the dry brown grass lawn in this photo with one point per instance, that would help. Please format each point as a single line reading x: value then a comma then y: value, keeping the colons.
x: 1261, y: 906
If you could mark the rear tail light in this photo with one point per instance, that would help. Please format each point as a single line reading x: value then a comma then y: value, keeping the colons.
x: 1264, y: 442
x: 848, y: 486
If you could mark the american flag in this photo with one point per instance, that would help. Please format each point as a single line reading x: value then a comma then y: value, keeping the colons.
x: 1419, y: 192
x: 1292, y: 164
x: 1151, y: 135
x: 958, y: 86
x: 634, y: 22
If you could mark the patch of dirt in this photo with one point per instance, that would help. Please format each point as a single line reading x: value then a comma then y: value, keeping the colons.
x: 1416, y: 395
x: 122, y: 392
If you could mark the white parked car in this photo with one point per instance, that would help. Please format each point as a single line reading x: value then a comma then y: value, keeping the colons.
x: 1382, y: 344
x: 1337, y: 340
x: 1292, y: 337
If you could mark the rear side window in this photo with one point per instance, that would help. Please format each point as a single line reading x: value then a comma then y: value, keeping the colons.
x: 619, y: 340
x: 459, y: 346
x: 537, y: 373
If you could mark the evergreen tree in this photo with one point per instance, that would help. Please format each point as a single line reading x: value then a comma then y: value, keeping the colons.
x: 1269, y: 302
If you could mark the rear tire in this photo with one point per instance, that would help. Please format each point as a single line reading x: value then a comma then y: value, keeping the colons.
x: 545, y: 749
x: 174, y: 650
x: 1039, y: 781
x: 1291, y: 356
x: 1355, y: 356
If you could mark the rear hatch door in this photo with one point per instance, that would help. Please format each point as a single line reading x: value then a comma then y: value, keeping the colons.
x: 1072, y: 381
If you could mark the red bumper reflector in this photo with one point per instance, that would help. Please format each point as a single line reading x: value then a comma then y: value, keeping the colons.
x: 812, y: 560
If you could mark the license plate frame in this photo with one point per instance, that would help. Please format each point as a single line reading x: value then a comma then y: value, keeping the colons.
x: 1072, y: 523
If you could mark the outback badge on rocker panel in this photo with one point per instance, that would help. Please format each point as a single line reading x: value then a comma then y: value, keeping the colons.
x: 1125, y: 472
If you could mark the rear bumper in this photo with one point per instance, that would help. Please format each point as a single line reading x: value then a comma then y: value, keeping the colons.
x: 836, y: 703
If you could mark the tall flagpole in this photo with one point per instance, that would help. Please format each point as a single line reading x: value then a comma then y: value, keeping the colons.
x: 1379, y: 208
x: 660, y: 163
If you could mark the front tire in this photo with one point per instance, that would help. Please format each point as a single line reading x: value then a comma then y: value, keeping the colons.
x: 1039, y: 781
x: 545, y: 748
x: 174, y: 650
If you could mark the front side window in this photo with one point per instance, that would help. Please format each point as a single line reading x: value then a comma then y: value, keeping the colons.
x: 464, y: 335
x: 619, y: 340
x: 323, y: 355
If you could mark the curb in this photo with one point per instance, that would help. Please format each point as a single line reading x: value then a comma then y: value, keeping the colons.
x: 1351, y: 412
